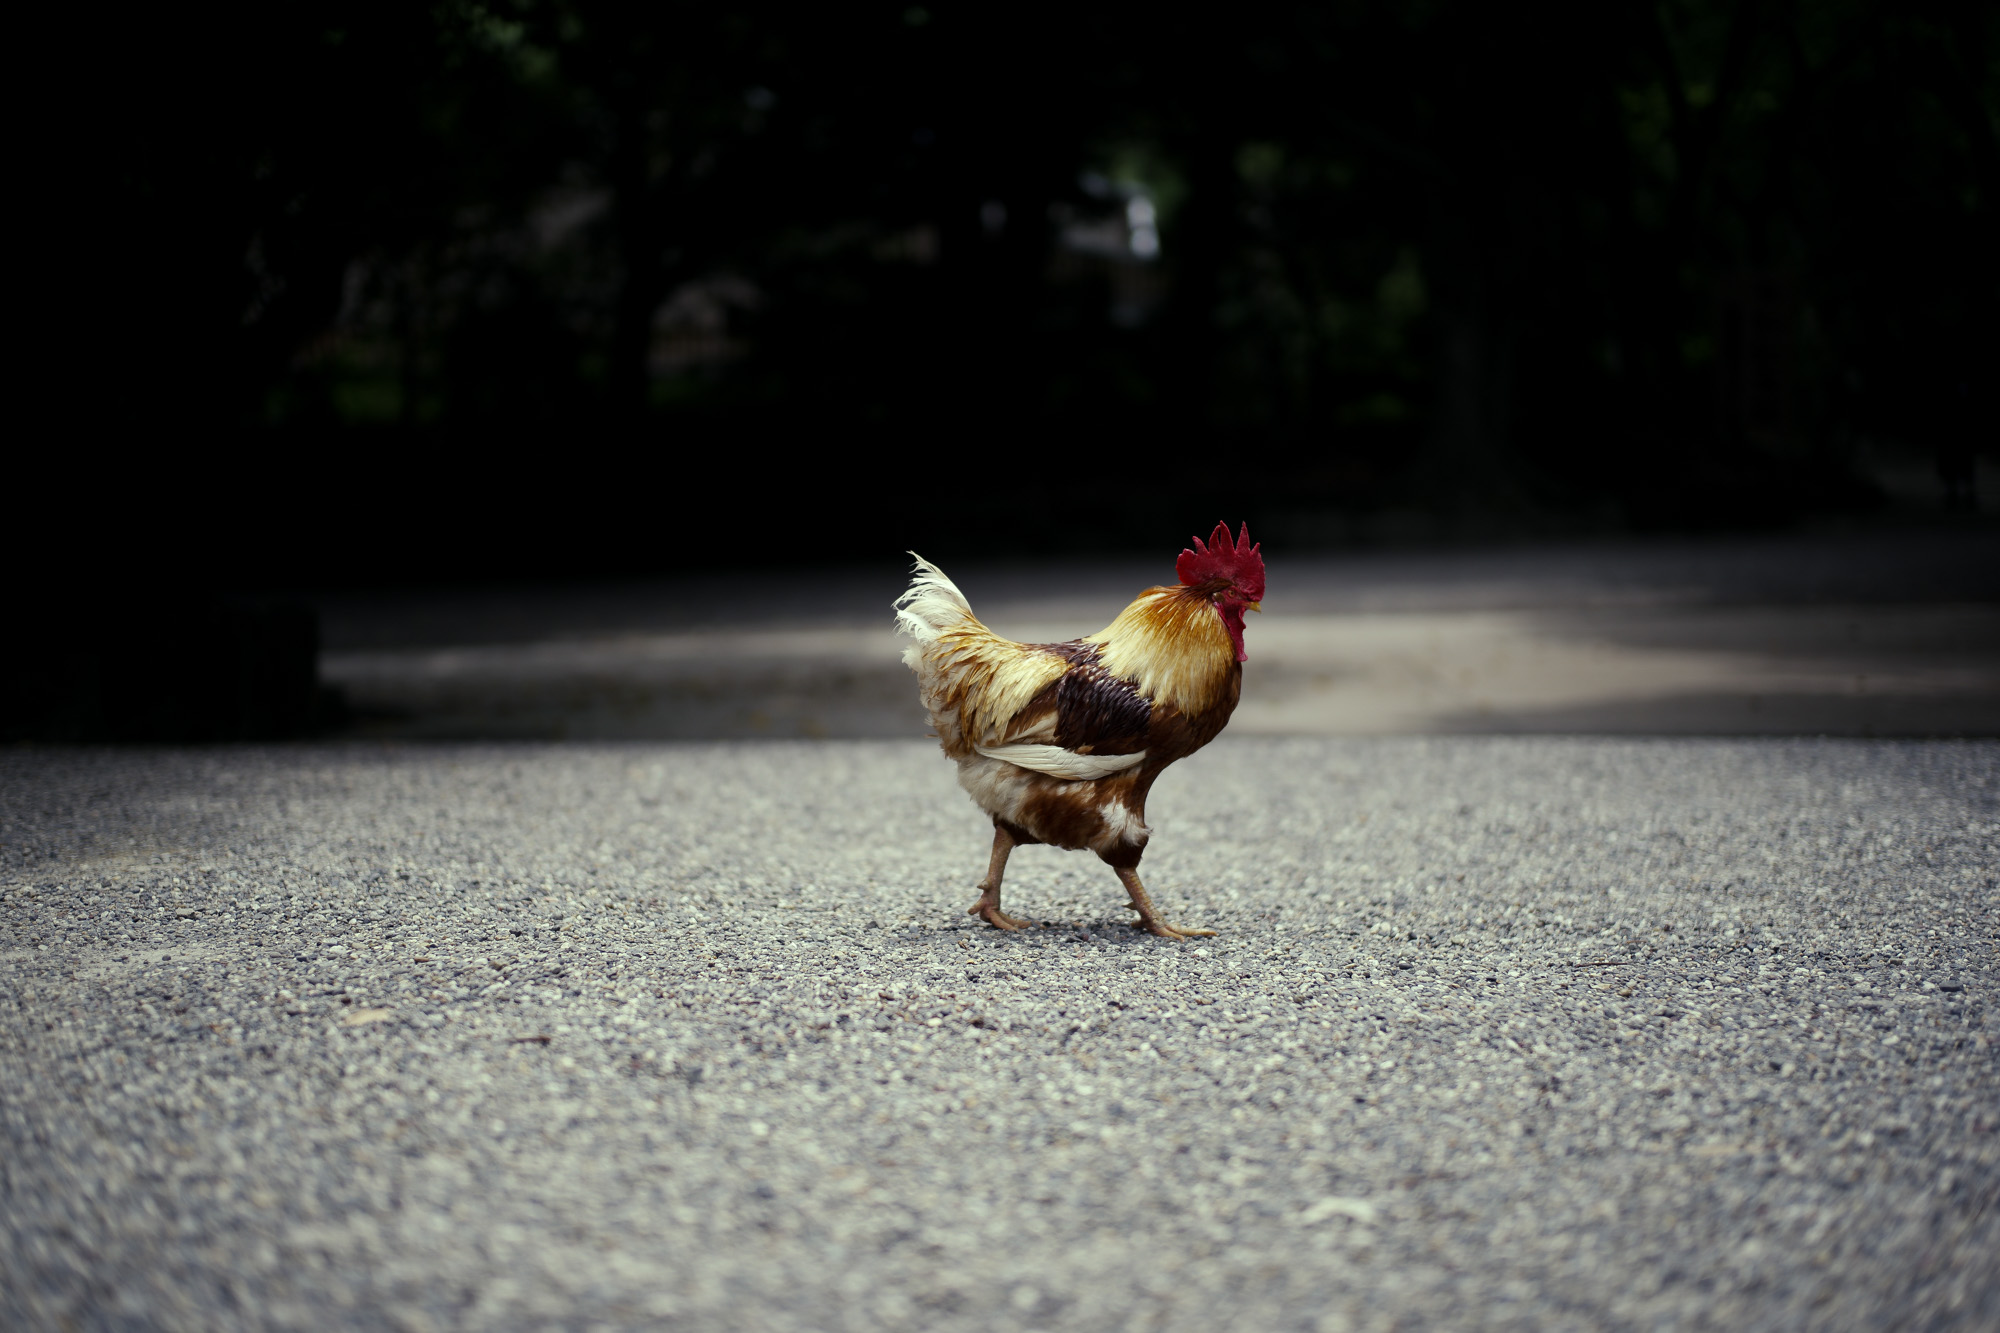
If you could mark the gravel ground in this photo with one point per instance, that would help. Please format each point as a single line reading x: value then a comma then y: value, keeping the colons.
x: 1522, y: 1032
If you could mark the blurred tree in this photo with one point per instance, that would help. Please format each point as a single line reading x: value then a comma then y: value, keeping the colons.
x: 1667, y: 264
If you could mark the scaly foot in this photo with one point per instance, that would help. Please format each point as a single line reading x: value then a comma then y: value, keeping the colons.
x: 1167, y: 932
x: 991, y: 914
x: 987, y: 909
x: 1149, y: 920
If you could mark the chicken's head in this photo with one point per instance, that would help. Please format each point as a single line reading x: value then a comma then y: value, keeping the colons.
x: 1230, y: 573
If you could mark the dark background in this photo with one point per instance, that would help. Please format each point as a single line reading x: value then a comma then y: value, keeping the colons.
x: 365, y: 292
x: 354, y: 294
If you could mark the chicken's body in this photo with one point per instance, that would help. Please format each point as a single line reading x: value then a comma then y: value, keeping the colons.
x: 1060, y: 742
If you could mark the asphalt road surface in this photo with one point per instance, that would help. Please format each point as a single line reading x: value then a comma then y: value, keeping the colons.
x: 1498, y: 1033
x: 1889, y: 635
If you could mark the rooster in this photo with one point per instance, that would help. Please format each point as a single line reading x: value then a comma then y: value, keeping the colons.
x: 1060, y: 742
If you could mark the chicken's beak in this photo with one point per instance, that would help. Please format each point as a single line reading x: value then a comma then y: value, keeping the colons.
x: 1253, y: 606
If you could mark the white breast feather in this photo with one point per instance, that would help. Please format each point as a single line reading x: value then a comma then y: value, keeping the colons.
x: 1060, y: 763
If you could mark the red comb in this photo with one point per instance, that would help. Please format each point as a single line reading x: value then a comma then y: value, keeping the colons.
x: 1225, y: 557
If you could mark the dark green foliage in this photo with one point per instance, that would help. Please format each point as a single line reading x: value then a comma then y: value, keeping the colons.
x: 1665, y: 265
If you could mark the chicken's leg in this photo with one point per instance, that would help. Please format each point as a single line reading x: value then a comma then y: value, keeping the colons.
x: 988, y: 906
x: 1149, y: 920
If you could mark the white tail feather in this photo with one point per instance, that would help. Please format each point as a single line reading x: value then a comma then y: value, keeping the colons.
x: 973, y: 682
x: 1060, y: 763
x: 931, y: 604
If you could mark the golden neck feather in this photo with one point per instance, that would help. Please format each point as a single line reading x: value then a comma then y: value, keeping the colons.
x: 1171, y: 643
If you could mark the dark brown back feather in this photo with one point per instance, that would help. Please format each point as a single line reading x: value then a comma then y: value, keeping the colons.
x: 1099, y: 713
x: 1096, y: 709
x: 1096, y: 712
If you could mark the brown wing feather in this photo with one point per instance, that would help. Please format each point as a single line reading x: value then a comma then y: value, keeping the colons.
x: 1086, y: 709
x: 1099, y: 713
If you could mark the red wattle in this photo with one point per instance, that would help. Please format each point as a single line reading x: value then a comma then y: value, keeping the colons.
x: 1232, y: 620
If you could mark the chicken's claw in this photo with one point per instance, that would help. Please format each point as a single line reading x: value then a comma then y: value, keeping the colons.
x: 987, y: 908
x: 1149, y: 920
x: 991, y: 914
x: 1167, y: 932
